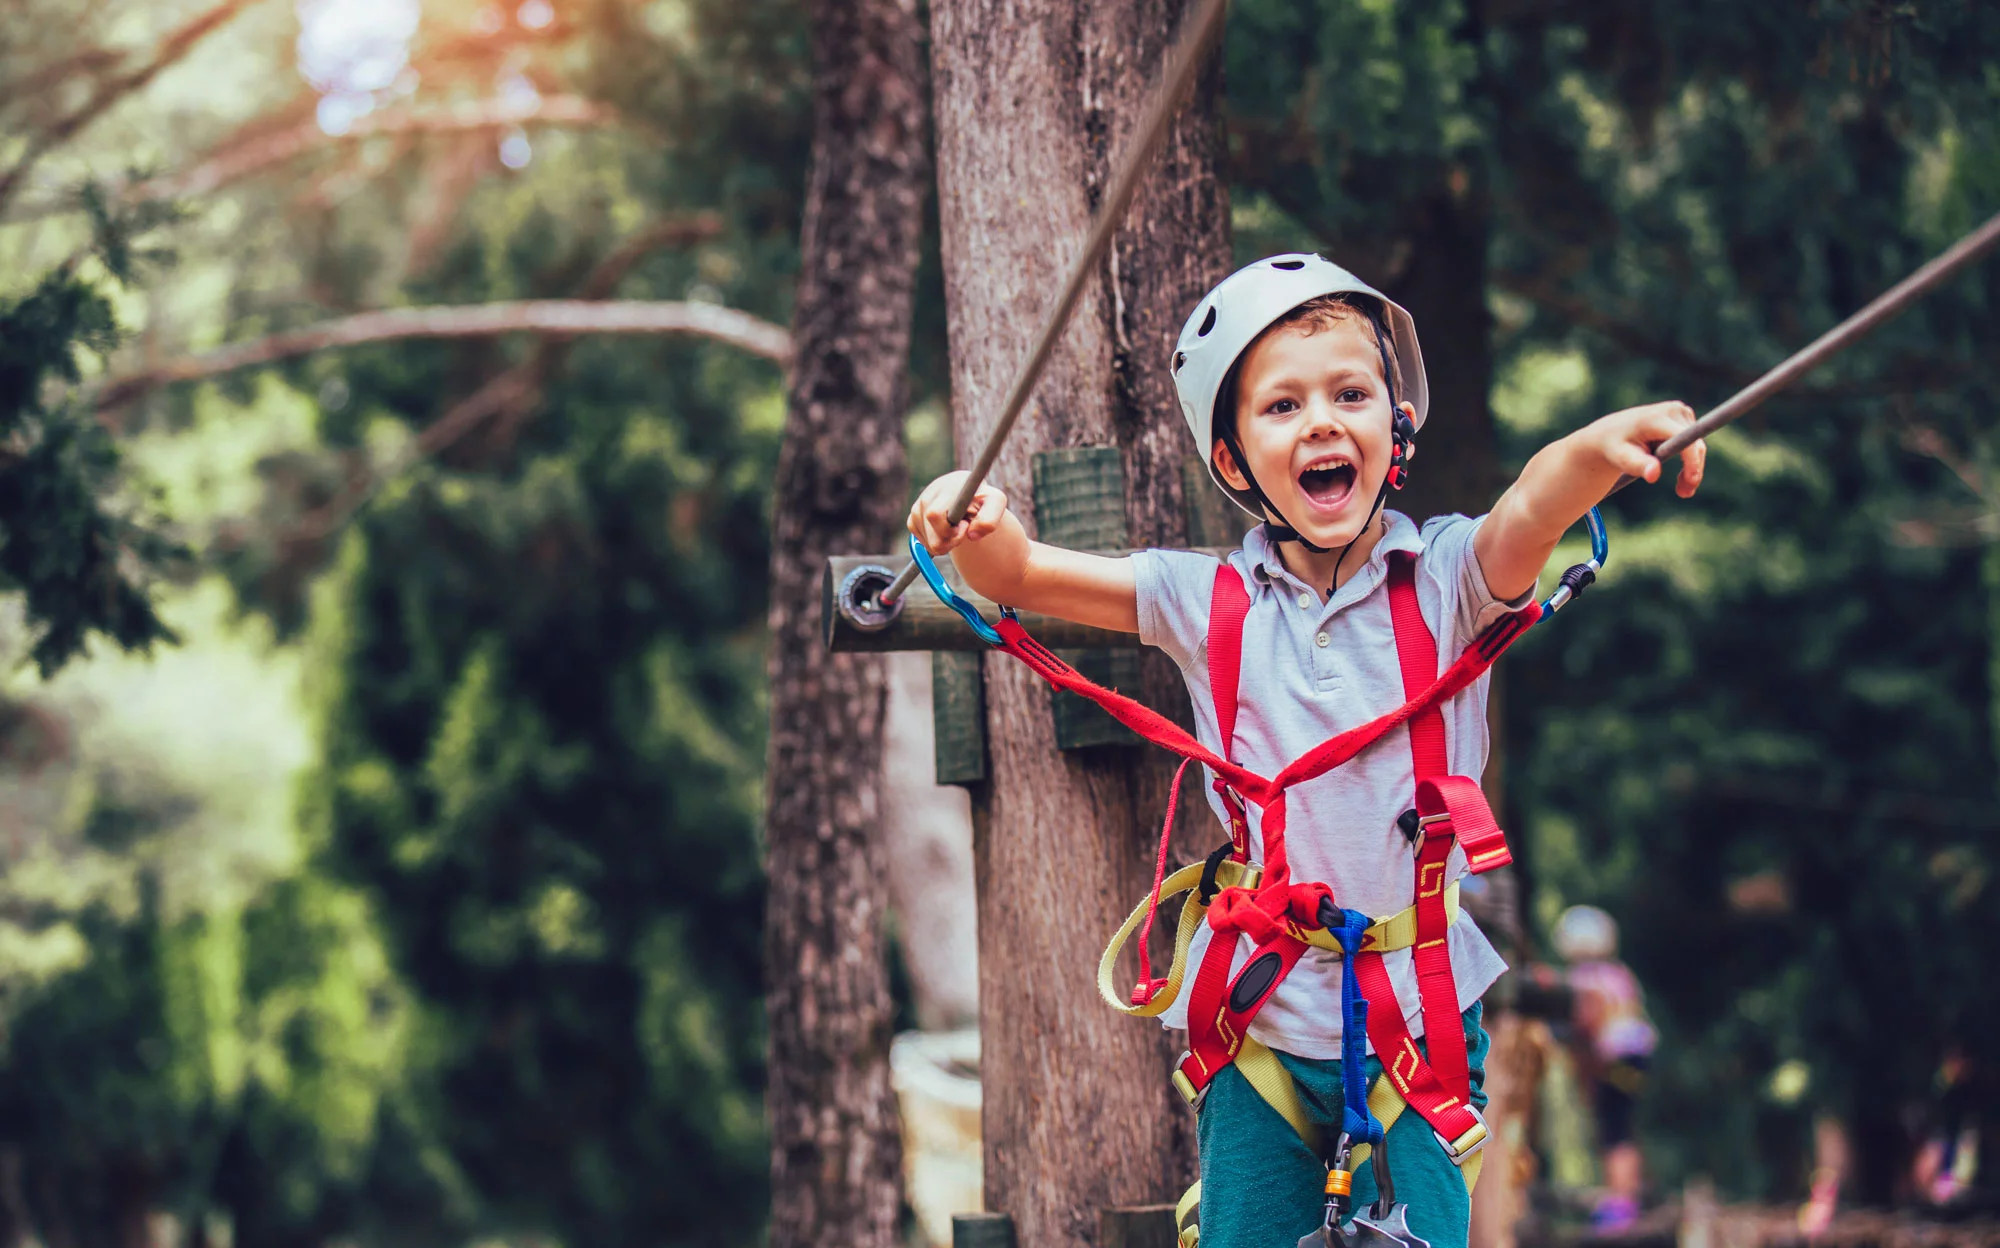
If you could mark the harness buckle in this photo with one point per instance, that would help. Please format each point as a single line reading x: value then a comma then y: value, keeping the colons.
x: 1185, y: 1086
x: 1416, y: 827
x: 1466, y: 1146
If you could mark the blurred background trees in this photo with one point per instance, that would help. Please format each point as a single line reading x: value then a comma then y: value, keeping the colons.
x: 412, y: 892
x: 498, y: 968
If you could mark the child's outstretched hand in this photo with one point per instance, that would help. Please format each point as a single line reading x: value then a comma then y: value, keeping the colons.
x: 1626, y: 439
x: 930, y: 515
x: 1567, y: 478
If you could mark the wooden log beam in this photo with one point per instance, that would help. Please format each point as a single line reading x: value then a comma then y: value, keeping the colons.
x: 924, y: 623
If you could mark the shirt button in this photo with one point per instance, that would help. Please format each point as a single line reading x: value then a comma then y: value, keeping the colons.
x: 1306, y: 601
x: 1320, y: 640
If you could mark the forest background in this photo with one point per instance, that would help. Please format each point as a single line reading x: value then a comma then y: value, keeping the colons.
x: 409, y: 889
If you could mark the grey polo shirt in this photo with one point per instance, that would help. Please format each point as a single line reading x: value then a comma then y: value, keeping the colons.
x: 1311, y: 670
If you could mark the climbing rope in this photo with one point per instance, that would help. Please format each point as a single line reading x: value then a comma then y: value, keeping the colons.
x: 1941, y: 268
x: 1187, y: 58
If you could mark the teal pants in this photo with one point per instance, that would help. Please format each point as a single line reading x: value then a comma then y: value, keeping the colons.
x: 1261, y: 1187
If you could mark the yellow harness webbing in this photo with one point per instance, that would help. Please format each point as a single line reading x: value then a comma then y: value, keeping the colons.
x: 1398, y: 931
x: 1259, y: 1066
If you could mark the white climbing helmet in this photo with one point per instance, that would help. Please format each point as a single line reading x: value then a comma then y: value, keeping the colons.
x: 1243, y: 305
x: 1586, y: 934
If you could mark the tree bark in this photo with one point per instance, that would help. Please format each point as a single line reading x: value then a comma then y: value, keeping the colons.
x: 842, y: 485
x: 1033, y: 102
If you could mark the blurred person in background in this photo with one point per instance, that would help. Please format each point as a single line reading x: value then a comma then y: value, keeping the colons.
x: 1947, y: 1159
x: 1614, y: 1043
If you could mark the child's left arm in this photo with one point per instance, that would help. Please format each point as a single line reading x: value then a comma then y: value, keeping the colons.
x: 1567, y: 478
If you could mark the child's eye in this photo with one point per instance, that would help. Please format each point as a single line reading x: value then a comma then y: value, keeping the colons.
x: 1282, y: 407
x: 1352, y: 395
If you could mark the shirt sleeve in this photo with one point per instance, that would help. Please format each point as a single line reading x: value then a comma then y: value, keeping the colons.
x: 1174, y: 587
x: 1454, y: 564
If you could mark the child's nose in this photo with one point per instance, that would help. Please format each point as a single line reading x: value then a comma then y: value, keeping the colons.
x: 1322, y: 420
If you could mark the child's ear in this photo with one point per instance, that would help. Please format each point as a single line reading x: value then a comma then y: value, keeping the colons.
x: 1225, y: 465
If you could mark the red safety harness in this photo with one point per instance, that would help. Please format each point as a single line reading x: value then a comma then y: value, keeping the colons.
x: 1277, y: 913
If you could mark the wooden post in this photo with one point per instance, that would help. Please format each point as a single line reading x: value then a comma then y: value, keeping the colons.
x: 1034, y: 99
x: 958, y: 715
x: 924, y: 623
x: 1137, y: 1226
x: 1080, y: 502
x: 1213, y: 519
x: 982, y: 1230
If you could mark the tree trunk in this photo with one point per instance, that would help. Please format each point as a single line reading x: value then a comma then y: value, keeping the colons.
x: 1457, y: 466
x: 842, y: 485
x: 1033, y: 103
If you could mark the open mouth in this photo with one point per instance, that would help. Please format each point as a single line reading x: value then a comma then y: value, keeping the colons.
x: 1327, y: 484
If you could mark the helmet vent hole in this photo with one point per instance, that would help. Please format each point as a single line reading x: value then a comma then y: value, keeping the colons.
x: 1207, y: 323
x: 1288, y: 264
x: 1180, y: 358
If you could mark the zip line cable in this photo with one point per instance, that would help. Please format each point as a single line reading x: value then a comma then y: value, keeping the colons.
x: 1947, y: 264
x: 1188, y: 54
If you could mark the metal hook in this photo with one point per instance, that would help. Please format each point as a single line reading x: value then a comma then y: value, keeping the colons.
x: 927, y: 566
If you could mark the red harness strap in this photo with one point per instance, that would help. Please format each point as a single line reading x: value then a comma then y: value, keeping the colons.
x: 1278, y: 912
x: 1441, y: 1088
x: 1322, y: 758
x: 1228, y: 606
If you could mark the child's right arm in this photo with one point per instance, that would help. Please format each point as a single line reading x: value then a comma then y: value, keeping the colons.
x: 997, y: 558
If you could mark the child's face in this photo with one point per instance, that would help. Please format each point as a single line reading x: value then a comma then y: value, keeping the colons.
x: 1312, y: 416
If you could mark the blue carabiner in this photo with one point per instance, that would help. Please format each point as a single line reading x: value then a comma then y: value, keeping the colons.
x: 1600, y: 541
x: 946, y: 595
x: 1583, y: 575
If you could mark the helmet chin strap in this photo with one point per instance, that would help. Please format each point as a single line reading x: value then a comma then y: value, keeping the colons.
x: 1381, y: 494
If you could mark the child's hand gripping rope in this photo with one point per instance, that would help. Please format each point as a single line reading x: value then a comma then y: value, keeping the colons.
x: 930, y: 516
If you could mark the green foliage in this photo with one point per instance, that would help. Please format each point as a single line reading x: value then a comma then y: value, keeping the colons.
x: 1772, y: 734
x: 187, y: 1048
x: 539, y: 662
x: 76, y: 558
x: 176, y: 993
x: 543, y: 760
x: 509, y: 982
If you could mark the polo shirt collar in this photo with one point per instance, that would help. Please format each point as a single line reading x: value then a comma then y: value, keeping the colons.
x: 1267, y: 570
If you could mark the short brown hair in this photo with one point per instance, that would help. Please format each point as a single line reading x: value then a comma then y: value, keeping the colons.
x: 1315, y: 314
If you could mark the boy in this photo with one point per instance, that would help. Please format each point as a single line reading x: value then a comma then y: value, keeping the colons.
x: 1304, y: 389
